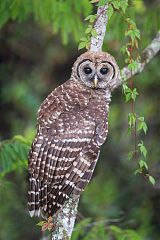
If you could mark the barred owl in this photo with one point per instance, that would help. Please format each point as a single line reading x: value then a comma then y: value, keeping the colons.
x: 72, y: 126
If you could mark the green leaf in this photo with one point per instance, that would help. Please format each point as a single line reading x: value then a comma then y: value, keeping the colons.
x: 87, y: 45
x: 116, y: 4
x: 128, y: 97
x: 115, y: 229
x: 41, y: 223
x: 129, y: 93
x: 124, y: 5
x: 20, y: 138
x: 131, y: 119
x: 152, y: 180
x: 143, y: 164
x: 123, y: 49
x: 102, y: 2
x: 110, y: 11
x: 142, y: 125
x: 133, y: 65
x: 94, y: 33
x: 141, y: 119
x: 134, y: 94
x: 83, y: 39
x: 81, y: 45
x: 91, y: 18
x: 137, y: 171
x: 130, y: 155
x: 142, y: 148
x: 89, y: 29
x: 137, y: 33
x: 124, y: 88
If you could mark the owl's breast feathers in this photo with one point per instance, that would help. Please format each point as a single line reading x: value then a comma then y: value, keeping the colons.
x: 72, y: 125
x: 71, y: 99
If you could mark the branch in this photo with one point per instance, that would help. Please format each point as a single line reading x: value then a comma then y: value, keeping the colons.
x: 100, y: 27
x: 147, y: 55
x: 65, y: 219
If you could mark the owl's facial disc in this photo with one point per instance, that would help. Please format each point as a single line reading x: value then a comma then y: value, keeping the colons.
x: 95, y: 75
x: 96, y: 70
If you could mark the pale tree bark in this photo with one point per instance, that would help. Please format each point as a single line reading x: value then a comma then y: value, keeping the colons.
x: 64, y: 220
x: 100, y: 27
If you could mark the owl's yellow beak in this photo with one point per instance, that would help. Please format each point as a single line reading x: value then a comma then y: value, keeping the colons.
x: 95, y: 81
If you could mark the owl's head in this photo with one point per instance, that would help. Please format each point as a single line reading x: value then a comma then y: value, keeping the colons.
x: 96, y: 70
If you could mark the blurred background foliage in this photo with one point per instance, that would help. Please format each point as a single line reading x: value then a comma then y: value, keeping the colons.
x: 38, y: 45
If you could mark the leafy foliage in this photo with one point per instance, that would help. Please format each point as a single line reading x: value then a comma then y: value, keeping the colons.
x: 124, y: 234
x: 13, y: 154
x: 56, y: 14
x: 90, y: 31
x: 101, y: 230
x: 132, y: 58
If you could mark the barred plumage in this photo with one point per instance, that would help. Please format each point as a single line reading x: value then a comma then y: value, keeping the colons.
x: 72, y: 126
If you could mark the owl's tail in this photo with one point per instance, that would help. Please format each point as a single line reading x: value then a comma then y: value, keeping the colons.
x: 37, y: 197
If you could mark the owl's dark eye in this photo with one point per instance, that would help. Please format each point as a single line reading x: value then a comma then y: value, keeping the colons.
x: 87, y: 70
x: 104, y: 70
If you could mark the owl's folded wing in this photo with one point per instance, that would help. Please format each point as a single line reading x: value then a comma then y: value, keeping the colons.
x: 61, y: 161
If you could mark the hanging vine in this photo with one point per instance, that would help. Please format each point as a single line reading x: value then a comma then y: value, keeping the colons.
x: 136, y: 123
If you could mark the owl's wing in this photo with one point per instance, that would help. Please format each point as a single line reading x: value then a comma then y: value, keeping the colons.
x: 62, y: 159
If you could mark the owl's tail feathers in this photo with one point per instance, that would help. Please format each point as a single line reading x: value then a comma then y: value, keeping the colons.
x: 56, y: 199
x: 34, y: 197
x: 44, y: 200
x: 37, y: 197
